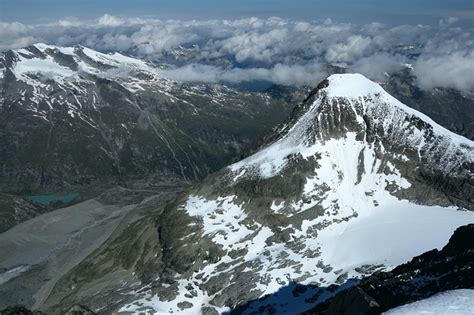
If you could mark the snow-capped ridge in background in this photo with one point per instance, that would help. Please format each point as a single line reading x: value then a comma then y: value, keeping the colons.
x: 63, y: 64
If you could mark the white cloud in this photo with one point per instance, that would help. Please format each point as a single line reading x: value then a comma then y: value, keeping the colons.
x: 352, y: 49
x: 294, y: 75
x: 377, y: 65
x: 276, y: 49
x: 455, y: 70
x: 449, y: 21
x: 110, y: 20
x: 70, y: 22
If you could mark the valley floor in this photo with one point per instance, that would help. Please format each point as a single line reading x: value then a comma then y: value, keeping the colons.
x: 43, y: 249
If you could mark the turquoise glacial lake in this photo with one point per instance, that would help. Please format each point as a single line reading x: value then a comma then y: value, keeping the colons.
x: 48, y: 199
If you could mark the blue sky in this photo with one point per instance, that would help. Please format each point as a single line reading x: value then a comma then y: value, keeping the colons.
x: 390, y: 12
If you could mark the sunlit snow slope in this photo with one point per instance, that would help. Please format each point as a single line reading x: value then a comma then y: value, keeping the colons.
x: 458, y: 302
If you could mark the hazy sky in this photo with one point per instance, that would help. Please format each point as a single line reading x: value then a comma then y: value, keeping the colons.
x: 390, y: 12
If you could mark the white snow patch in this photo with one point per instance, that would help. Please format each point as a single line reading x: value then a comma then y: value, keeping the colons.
x: 221, y: 218
x: 390, y: 235
x: 114, y: 59
x: 277, y: 207
x: 47, y: 67
x: 453, y: 302
x: 242, y: 173
x: 13, y: 273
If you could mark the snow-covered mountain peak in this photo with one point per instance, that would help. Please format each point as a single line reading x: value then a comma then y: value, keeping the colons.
x: 356, y: 86
x: 67, y: 61
x: 351, y: 85
x: 347, y: 109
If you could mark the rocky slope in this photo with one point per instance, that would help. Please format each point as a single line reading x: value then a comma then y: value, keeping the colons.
x: 353, y: 182
x: 71, y: 116
x: 46, y: 247
x: 14, y: 210
x: 432, y: 272
x: 449, y: 107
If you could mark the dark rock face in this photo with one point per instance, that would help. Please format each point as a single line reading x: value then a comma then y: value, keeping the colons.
x: 432, y: 272
x: 19, y: 310
x: 76, y: 309
x: 14, y: 210
x: 461, y: 241
x: 354, y: 301
x: 79, y: 310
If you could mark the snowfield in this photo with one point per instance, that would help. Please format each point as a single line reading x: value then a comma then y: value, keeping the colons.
x: 454, y: 302
x: 391, y: 235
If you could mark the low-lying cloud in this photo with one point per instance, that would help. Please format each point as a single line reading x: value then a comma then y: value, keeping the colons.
x: 298, y: 75
x: 455, y: 70
x: 276, y: 50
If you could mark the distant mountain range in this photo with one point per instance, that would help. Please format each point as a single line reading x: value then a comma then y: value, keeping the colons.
x: 73, y: 116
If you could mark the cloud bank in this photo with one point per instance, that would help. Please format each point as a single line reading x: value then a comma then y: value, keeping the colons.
x: 294, y: 75
x: 276, y: 50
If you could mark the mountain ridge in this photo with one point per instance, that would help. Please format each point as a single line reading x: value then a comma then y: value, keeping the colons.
x: 128, y: 118
x: 453, y: 150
